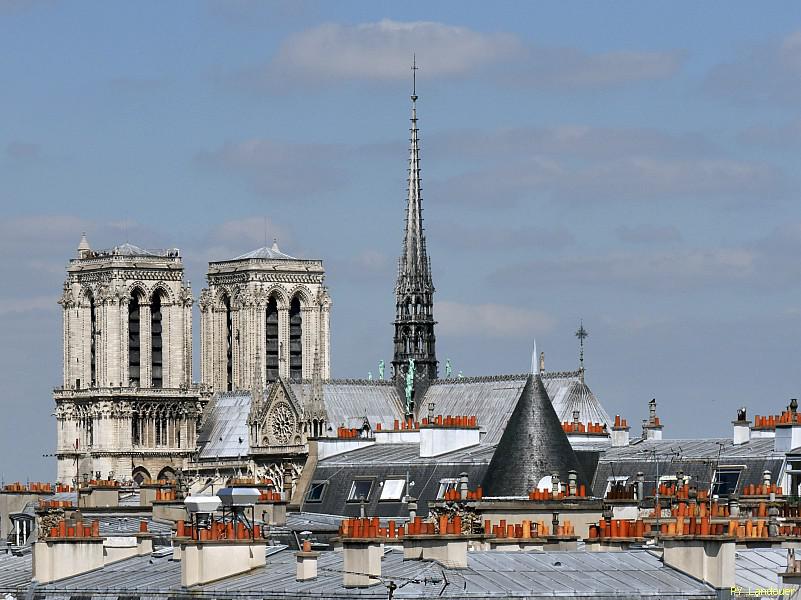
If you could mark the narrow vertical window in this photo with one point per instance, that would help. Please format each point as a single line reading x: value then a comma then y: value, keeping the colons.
x: 295, y: 340
x: 93, y: 341
x: 133, y: 341
x: 135, y: 429
x: 271, y: 332
x: 229, y: 365
x: 155, y: 341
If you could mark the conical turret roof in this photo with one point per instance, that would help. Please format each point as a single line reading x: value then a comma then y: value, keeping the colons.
x: 532, y: 446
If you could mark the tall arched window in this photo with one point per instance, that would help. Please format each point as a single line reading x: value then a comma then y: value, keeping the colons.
x: 229, y: 365
x: 295, y: 340
x: 271, y: 333
x: 133, y: 341
x: 92, y: 342
x: 135, y: 429
x: 156, y: 377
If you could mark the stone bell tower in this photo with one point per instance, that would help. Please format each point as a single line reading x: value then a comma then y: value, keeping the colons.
x: 126, y: 404
x: 263, y: 304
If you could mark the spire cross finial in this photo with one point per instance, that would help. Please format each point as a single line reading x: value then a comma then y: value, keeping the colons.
x: 581, y: 334
x: 414, y: 77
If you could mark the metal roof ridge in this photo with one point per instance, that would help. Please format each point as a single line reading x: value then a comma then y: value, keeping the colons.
x: 480, y: 379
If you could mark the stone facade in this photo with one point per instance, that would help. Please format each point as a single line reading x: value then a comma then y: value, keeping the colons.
x: 126, y: 404
x: 265, y: 305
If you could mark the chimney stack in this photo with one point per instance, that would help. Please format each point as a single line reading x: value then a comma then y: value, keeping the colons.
x: 788, y: 429
x: 362, y: 562
x: 742, y: 428
x: 620, y: 432
x: 306, y: 562
x: 711, y: 561
x: 651, y: 427
x: 463, y: 485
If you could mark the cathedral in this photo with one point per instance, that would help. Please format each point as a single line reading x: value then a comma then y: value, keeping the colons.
x: 130, y: 408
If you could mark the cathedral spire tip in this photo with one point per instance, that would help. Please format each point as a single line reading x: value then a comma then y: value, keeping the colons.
x: 414, y: 320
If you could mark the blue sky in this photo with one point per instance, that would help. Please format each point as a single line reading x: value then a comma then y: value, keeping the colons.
x: 634, y: 164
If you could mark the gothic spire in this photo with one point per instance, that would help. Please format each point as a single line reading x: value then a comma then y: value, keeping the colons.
x: 414, y: 290
x: 414, y: 264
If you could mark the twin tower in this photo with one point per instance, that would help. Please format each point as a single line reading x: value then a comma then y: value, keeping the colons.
x: 127, y: 402
x: 128, y: 405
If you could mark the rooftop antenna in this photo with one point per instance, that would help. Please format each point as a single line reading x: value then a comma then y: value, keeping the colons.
x: 581, y: 334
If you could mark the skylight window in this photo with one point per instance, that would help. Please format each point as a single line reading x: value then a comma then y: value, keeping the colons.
x: 725, y: 482
x: 392, y: 489
x: 360, y: 488
x: 316, y: 491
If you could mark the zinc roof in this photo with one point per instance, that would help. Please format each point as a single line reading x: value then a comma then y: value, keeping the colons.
x: 629, y: 574
x: 758, y: 568
x: 15, y: 571
x: 224, y: 432
x: 492, y: 400
x: 571, y: 393
x: 347, y: 402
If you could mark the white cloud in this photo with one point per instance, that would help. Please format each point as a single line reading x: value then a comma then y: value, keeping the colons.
x: 490, y: 320
x: 383, y: 50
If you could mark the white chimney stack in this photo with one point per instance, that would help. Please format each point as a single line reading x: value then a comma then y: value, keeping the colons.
x: 742, y: 428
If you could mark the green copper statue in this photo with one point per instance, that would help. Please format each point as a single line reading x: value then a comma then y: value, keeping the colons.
x: 448, y: 368
x: 369, y: 375
x: 409, y: 385
x: 381, y: 369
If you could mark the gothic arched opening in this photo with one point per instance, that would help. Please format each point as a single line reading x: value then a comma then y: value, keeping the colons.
x: 156, y: 357
x: 295, y: 340
x: 93, y: 341
x: 134, y: 343
x: 140, y: 475
x: 167, y: 473
x: 229, y: 365
x: 271, y: 335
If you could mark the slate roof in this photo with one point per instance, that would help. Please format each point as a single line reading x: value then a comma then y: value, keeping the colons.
x: 383, y: 461
x: 629, y: 574
x: 568, y: 392
x: 697, y: 458
x: 533, y: 446
x: 224, y: 424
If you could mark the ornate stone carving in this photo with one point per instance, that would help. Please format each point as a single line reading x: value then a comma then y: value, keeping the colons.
x: 282, y: 423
